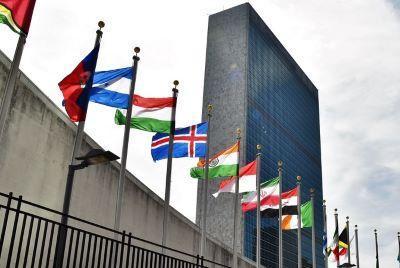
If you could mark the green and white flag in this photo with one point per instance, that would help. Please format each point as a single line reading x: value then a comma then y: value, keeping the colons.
x: 149, y: 114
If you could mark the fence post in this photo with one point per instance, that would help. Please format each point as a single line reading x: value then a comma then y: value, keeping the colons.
x: 14, y: 231
x: 128, y: 252
x: 3, y: 231
x: 60, y: 243
x: 121, y: 258
x: 202, y: 261
x: 197, y: 261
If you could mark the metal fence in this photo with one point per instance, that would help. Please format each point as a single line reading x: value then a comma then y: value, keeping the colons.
x: 32, y: 236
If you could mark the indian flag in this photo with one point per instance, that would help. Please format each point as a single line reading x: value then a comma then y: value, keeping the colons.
x: 149, y: 114
x: 247, y: 180
x: 289, y: 222
x: 17, y: 14
x: 269, y: 190
x: 223, y: 164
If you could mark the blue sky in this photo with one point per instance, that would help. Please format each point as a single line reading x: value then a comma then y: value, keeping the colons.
x: 349, y: 49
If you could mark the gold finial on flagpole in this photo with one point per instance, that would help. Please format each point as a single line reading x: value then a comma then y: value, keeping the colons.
x: 137, y: 50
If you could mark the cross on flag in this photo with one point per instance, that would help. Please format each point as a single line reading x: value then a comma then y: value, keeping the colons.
x: 188, y: 142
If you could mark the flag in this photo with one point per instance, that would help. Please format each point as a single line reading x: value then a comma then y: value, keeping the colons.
x: 290, y: 221
x: 341, y: 253
x: 247, y: 181
x: 17, y: 14
x: 149, y: 114
x: 339, y: 246
x: 111, y: 88
x: 223, y: 164
x: 76, y: 87
x: 270, y: 205
x: 343, y: 238
x: 325, y: 244
x: 188, y: 142
x: 334, y: 242
x: 268, y: 190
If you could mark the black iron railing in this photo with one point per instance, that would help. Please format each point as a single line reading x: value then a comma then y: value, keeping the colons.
x: 32, y: 236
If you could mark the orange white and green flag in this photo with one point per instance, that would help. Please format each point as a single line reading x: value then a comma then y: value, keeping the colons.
x: 223, y: 164
x: 17, y: 14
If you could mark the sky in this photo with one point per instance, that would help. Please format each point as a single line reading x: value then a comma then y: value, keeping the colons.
x: 348, y: 48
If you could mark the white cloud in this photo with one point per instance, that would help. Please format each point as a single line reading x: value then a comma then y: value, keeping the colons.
x: 349, y: 49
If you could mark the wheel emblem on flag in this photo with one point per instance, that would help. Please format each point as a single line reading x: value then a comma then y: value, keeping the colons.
x: 214, y: 162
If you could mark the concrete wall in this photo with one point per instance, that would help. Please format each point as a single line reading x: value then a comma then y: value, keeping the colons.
x: 35, y: 151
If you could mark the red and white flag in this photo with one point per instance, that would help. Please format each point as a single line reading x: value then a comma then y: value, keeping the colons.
x: 247, y: 181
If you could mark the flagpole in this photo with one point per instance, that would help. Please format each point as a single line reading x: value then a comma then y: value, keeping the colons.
x: 313, y: 229
x: 71, y: 171
x: 337, y: 238
x: 169, y: 165
x: 280, y: 163
x: 398, y: 239
x: 205, y: 187
x: 14, y: 69
x: 125, y: 144
x: 258, y: 254
x: 348, y: 238
x: 376, y: 248
x: 11, y: 81
x: 326, y: 234
x: 236, y: 205
x: 299, y: 254
x: 357, y: 253
x: 78, y: 142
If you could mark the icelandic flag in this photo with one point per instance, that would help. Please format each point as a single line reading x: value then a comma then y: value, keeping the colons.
x: 111, y: 88
x: 76, y: 87
x: 188, y: 142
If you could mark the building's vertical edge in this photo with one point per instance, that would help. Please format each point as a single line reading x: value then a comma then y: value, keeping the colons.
x: 244, y: 131
x: 224, y: 88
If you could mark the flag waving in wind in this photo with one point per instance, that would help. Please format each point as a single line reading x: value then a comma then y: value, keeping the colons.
x: 268, y: 191
x: 188, y: 142
x: 149, y: 114
x: 224, y: 164
x: 76, y: 87
x: 17, y: 14
x: 247, y: 180
x: 289, y: 222
x: 111, y: 88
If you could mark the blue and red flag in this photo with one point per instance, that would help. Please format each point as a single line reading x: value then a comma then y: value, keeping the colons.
x: 76, y: 87
x: 188, y: 142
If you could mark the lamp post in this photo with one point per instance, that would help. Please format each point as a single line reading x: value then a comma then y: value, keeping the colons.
x: 93, y: 157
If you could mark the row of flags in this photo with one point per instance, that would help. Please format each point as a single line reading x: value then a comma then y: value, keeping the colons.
x: 224, y: 164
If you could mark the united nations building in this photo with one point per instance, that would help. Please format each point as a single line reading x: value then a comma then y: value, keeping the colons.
x: 254, y: 84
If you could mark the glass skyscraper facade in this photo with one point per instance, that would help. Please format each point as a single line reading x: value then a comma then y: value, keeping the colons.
x: 280, y: 112
x: 282, y: 116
